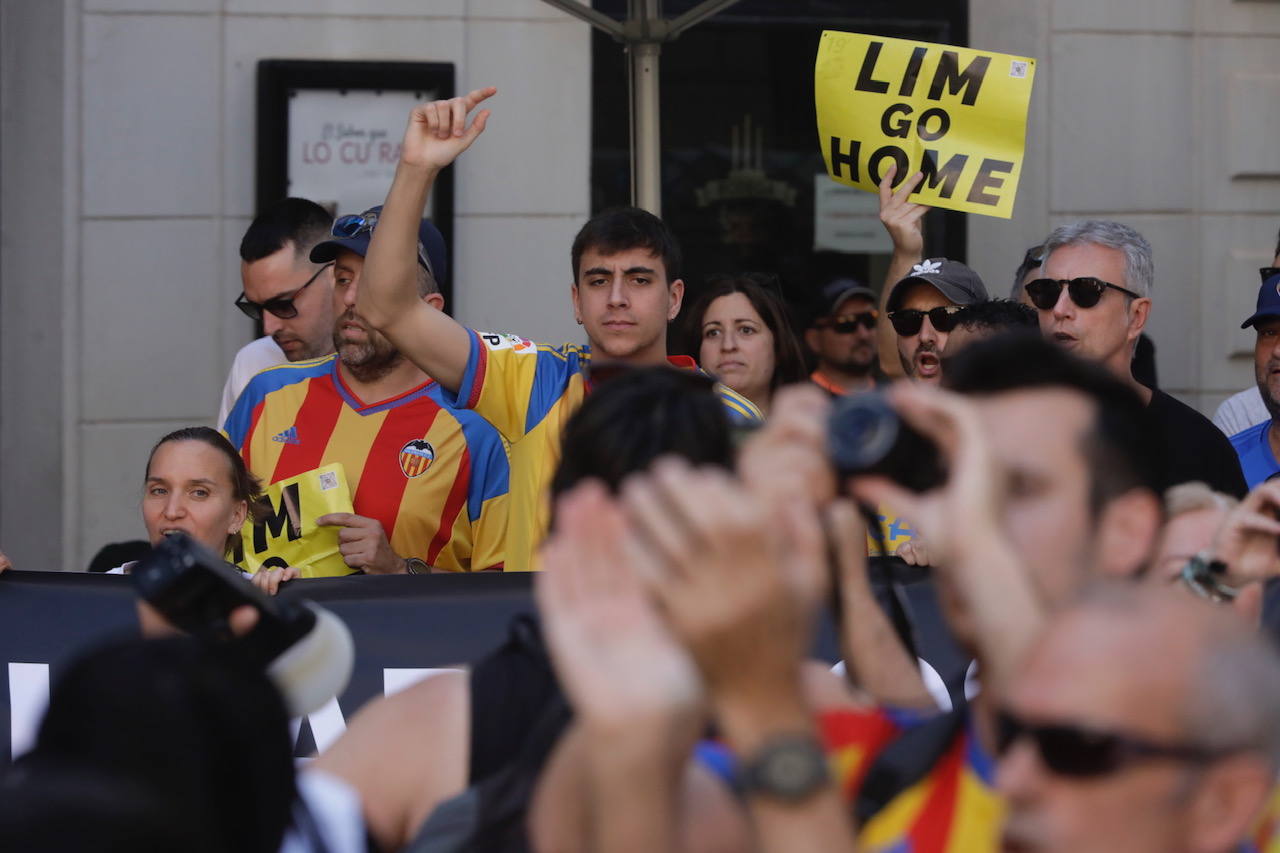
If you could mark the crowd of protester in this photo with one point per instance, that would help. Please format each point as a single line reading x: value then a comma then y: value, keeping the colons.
x: 1100, y: 555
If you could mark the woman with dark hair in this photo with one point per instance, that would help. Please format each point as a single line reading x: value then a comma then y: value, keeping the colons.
x: 741, y: 334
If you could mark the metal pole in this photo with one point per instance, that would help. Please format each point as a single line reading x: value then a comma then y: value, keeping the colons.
x: 646, y: 130
x: 643, y: 33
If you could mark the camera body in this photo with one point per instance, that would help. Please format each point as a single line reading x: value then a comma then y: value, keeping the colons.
x: 196, y: 591
x: 866, y: 436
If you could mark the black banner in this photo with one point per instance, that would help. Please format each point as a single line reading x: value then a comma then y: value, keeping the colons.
x: 399, y: 623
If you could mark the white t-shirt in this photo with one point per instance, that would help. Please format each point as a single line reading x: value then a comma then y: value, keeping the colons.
x: 1241, y: 411
x: 253, y: 358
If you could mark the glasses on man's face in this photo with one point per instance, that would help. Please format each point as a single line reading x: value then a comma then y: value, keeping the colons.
x: 1085, y: 291
x: 354, y: 224
x: 1081, y: 753
x: 909, y: 321
x: 847, y: 324
x: 280, y: 306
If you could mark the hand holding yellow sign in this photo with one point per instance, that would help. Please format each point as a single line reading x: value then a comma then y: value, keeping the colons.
x: 289, y: 535
x: 956, y: 114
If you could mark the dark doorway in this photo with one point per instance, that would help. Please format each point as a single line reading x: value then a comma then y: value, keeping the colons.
x: 739, y: 137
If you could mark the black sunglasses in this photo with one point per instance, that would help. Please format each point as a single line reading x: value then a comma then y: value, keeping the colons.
x: 908, y: 321
x: 1080, y: 752
x: 1084, y: 291
x: 354, y: 224
x: 1268, y: 272
x: 847, y: 324
x: 280, y: 306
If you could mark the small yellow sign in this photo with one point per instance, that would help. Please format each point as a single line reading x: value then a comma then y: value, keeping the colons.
x: 959, y: 115
x: 289, y: 535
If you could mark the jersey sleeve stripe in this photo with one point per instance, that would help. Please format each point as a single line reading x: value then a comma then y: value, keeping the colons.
x: 468, y: 393
x: 550, y: 380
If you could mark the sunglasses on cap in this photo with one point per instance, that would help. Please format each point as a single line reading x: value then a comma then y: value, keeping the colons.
x: 1268, y: 272
x: 847, y: 324
x: 1082, y: 753
x: 355, y: 224
x: 1085, y: 291
x: 908, y: 321
x: 280, y: 306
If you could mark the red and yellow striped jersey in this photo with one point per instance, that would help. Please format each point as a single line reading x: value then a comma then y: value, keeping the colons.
x: 955, y: 807
x: 528, y: 391
x: 952, y: 809
x: 435, y: 477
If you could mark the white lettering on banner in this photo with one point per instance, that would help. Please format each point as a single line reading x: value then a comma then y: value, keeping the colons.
x: 28, y: 697
x: 395, y: 680
x: 327, y: 725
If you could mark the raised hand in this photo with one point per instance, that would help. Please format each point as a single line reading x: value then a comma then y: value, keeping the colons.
x: 900, y: 216
x: 734, y: 579
x: 438, y: 131
x: 1249, y: 537
x: 619, y: 663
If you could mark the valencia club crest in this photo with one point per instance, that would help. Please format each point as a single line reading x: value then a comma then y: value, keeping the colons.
x: 416, y: 457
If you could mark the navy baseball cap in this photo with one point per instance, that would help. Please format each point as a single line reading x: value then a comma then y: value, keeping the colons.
x: 353, y: 233
x: 952, y: 279
x: 1268, y: 297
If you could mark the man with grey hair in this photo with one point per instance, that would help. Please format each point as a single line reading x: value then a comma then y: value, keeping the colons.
x: 1181, y: 759
x: 1094, y: 298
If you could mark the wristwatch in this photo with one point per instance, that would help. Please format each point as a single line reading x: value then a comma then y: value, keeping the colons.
x: 415, y: 566
x: 788, y: 767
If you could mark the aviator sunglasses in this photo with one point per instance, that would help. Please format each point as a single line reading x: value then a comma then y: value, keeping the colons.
x: 280, y: 306
x: 1085, y: 291
x: 908, y: 321
x: 1068, y: 750
x: 354, y: 224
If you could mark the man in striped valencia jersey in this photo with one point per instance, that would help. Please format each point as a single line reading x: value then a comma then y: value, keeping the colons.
x: 429, y: 483
x: 626, y: 289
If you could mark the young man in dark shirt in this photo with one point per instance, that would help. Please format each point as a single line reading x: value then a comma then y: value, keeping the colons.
x: 1094, y: 298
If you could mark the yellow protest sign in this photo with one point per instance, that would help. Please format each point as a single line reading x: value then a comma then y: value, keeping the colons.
x: 289, y: 535
x: 959, y: 115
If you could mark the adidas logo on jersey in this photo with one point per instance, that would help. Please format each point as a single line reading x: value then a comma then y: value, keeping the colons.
x: 289, y: 436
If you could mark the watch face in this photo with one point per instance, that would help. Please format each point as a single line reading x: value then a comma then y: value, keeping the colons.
x: 790, y: 768
x: 790, y: 771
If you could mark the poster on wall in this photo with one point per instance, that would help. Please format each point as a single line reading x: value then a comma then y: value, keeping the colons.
x: 343, y: 146
x: 330, y: 132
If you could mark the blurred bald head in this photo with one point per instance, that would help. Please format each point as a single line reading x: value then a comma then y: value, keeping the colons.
x: 1157, y: 667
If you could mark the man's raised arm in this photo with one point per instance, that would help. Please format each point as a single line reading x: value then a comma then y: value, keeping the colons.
x: 437, y: 133
x: 901, y: 218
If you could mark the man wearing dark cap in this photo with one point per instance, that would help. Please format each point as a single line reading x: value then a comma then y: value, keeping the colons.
x: 843, y: 338
x: 428, y: 483
x: 922, y: 308
x: 1259, y: 446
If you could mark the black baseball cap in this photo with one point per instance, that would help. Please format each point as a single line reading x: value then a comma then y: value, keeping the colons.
x: 954, y: 280
x: 354, y: 232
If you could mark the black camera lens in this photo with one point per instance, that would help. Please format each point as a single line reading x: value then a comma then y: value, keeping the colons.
x: 866, y: 436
